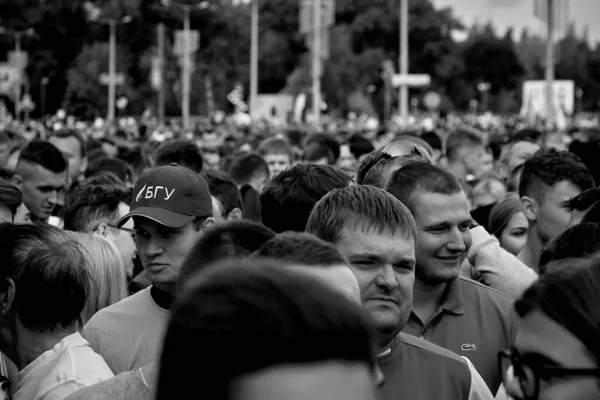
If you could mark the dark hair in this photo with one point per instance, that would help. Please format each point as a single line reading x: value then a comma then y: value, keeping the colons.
x: 327, y: 140
x: 359, y: 146
x: 530, y: 135
x: 247, y: 166
x: 301, y: 248
x: 458, y: 140
x: 261, y: 315
x: 568, y: 294
x: 43, y: 154
x: 365, y: 206
x: 433, y: 140
x: 181, y: 151
x: 231, y: 239
x: 585, y: 200
x: 288, y: 199
x: 413, y: 180
x: 547, y: 167
x: 502, y: 212
x: 105, y: 164
x: 275, y: 145
x: 90, y: 205
x: 380, y: 173
x: 369, y: 162
x: 10, y: 196
x: 513, y: 183
x: 593, y: 214
x: 224, y: 189
x: 316, y: 151
x: 578, y: 241
x: 6, y: 174
x: 46, y: 266
x: 4, y: 137
x: 67, y: 133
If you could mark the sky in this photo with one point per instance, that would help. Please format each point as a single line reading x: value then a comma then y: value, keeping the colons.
x: 519, y: 14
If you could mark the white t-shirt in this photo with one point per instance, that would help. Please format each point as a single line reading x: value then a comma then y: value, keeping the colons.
x: 66, y: 368
x: 128, y: 334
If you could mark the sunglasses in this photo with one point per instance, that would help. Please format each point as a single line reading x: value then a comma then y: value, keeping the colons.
x: 405, y: 149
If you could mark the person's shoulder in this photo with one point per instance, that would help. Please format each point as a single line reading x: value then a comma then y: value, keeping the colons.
x: 127, y: 382
x: 472, y: 289
x: 129, y: 307
x: 424, y: 347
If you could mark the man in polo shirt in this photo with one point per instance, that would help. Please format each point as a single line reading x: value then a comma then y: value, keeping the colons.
x: 170, y: 208
x: 456, y: 313
x: 376, y: 234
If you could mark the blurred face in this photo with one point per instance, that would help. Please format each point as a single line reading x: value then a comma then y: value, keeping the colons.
x: 23, y: 216
x: 333, y: 380
x: 443, y: 225
x: 519, y: 153
x: 71, y: 149
x: 110, y: 149
x: 488, y: 192
x: 384, y: 265
x: 4, y: 154
x: 553, y: 213
x: 347, y: 161
x: 41, y: 189
x: 277, y: 162
x: 514, y: 237
x: 162, y: 250
x: 542, y: 341
x: 211, y: 159
x: 477, y: 160
x: 124, y: 240
x: 259, y: 181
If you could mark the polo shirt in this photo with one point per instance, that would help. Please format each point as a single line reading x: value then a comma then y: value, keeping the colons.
x: 417, y: 369
x: 473, y: 321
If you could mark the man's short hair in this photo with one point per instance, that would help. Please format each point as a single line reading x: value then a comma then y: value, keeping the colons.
x: 301, y: 248
x: 317, y: 151
x: 327, y: 140
x: 231, y: 239
x: 368, y: 163
x: 359, y: 146
x: 90, y: 205
x: 284, y: 317
x: 67, y: 133
x: 367, y: 207
x: 46, y: 266
x: 181, y: 151
x: 247, y: 166
x: 578, y: 241
x: 413, y: 180
x: 10, y: 196
x: 106, y: 164
x: 547, y: 167
x: 275, y: 145
x: 289, y: 197
x: 224, y: 189
x: 43, y: 154
x: 459, y: 139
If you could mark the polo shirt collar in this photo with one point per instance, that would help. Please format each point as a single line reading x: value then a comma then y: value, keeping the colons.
x: 453, y: 301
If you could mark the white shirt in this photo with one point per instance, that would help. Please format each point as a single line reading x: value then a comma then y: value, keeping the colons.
x: 66, y: 368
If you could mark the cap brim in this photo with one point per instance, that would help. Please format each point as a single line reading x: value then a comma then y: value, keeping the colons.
x: 160, y: 215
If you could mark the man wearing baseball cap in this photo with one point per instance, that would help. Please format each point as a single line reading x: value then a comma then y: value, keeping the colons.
x: 170, y: 208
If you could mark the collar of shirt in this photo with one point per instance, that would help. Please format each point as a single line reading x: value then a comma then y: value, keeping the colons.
x: 452, y: 300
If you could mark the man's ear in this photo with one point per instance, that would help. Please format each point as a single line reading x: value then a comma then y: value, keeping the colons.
x: 234, y: 214
x: 7, y: 296
x: 17, y: 180
x: 530, y: 207
x: 102, y: 230
x: 210, y: 221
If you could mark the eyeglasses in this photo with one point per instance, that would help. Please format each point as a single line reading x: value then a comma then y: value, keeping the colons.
x: 405, y: 149
x: 530, y: 372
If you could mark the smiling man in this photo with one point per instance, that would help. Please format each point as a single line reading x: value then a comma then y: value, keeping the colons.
x: 171, y: 206
x: 377, y: 235
x: 456, y: 313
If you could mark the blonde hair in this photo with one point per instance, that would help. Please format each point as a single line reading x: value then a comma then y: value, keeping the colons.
x: 107, y: 273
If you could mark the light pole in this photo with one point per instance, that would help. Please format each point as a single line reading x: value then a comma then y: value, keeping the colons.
x: 316, y: 62
x: 550, y: 67
x: 18, y: 36
x: 186, y: 68
x: 254, y: 60
x: 403, y: 62
x: 44, y: 82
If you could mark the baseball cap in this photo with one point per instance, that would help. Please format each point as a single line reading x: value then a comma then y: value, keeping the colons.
x: 171, y: 195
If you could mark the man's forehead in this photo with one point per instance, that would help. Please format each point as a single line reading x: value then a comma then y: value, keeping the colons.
x: 430, y: 205
x: 36, y: 172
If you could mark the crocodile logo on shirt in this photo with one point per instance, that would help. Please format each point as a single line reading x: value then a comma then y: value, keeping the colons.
x: 468, y: 347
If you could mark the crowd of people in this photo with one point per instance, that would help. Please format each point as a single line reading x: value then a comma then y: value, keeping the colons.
x: 324, y: 265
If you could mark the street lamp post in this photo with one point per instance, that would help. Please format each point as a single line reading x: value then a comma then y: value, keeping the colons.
x: 403, y: 95
x: 18, y: 36
x: 254, y: 60
x: 186, y: 78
